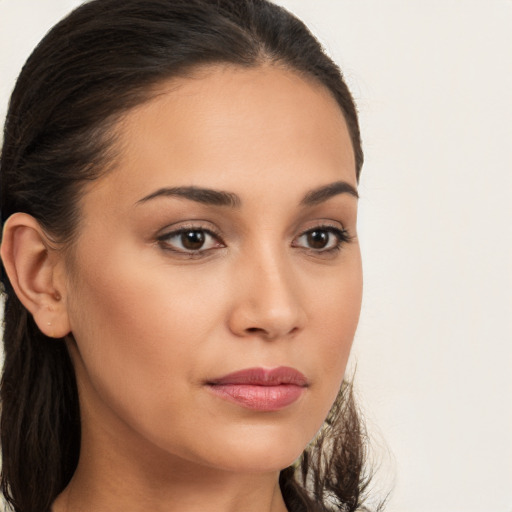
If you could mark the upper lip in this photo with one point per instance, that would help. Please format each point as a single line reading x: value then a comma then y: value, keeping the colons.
x: 263, y: 377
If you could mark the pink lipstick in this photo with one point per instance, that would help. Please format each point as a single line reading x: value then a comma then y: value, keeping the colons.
x: 261, y: 389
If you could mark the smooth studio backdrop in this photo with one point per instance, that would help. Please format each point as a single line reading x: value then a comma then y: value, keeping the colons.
x: 433, y: 81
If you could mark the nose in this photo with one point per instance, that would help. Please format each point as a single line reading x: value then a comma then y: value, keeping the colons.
x: 267, y: 301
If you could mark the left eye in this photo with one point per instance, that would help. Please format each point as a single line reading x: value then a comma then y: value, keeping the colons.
x: 190, y: 240
x: 322, y: 239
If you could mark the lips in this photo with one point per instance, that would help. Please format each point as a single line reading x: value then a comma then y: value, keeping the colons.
x: 261, y: 389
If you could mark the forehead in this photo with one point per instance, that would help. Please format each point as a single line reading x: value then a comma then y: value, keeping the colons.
x: 232, y: 128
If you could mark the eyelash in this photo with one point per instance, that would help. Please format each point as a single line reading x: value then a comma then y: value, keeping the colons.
x: 341, y: 235
x: 163, y: 240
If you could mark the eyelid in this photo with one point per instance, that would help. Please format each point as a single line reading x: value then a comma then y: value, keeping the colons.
x: 188, y: 225
x: 176, y: 230
x: 335, y: 228
x: 341, y: 233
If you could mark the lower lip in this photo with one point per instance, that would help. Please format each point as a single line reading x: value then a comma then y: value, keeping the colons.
x: 259, y: 398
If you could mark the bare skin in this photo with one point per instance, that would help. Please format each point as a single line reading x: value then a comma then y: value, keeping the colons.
x: 166, y: 290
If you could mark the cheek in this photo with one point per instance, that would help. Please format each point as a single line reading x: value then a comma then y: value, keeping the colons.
x: 334, y: 318
x: 134, y: 336
x: 342, y: 317
x: 126, y: 305
x: 336, y: 304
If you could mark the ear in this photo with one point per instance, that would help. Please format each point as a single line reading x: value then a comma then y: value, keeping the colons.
x: 34, y: 269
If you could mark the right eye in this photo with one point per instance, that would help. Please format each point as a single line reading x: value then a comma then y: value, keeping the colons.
x: 190, y: 240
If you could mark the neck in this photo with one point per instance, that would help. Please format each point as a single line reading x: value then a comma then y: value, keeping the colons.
x: 187, y: 493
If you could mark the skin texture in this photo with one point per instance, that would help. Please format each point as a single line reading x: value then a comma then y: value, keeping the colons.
x: 152, y: 323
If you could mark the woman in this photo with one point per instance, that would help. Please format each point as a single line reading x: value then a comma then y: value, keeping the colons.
x: 182, y: 271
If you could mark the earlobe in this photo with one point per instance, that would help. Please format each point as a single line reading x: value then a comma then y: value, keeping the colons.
x: 30, y: 263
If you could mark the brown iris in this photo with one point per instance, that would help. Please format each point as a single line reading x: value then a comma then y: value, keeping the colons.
x: 318, y: 239
x: 192, y: 240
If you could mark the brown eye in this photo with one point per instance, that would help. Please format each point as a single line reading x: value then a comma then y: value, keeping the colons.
x: 322, y: 239
x: 318, y: 239
x: 192, y: 240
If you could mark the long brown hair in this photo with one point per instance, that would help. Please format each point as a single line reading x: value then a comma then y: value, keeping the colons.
x: 97, y: 63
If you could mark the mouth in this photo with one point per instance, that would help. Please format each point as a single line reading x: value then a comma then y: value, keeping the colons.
x: 261, y: 389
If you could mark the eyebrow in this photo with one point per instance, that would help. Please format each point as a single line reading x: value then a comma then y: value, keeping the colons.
x: 321, y: 194
x: 200, y: 195
x: 213, y: 197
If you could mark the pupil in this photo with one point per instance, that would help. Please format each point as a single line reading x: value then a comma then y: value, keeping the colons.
x: 192, y: 240
x: 318, y: 239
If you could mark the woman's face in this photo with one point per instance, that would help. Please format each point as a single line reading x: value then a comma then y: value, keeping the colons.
x: 224, y: 240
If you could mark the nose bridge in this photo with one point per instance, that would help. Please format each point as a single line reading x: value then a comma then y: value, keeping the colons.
x: 273, y: 283
x: 269, y: 302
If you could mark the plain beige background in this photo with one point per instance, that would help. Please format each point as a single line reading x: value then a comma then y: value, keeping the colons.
x: 433, y: 81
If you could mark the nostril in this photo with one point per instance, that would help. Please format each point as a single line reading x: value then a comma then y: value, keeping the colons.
x: 267, y: 333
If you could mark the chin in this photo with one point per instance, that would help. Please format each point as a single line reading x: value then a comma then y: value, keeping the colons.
x: 253, y: 451
x: 263, y: 461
